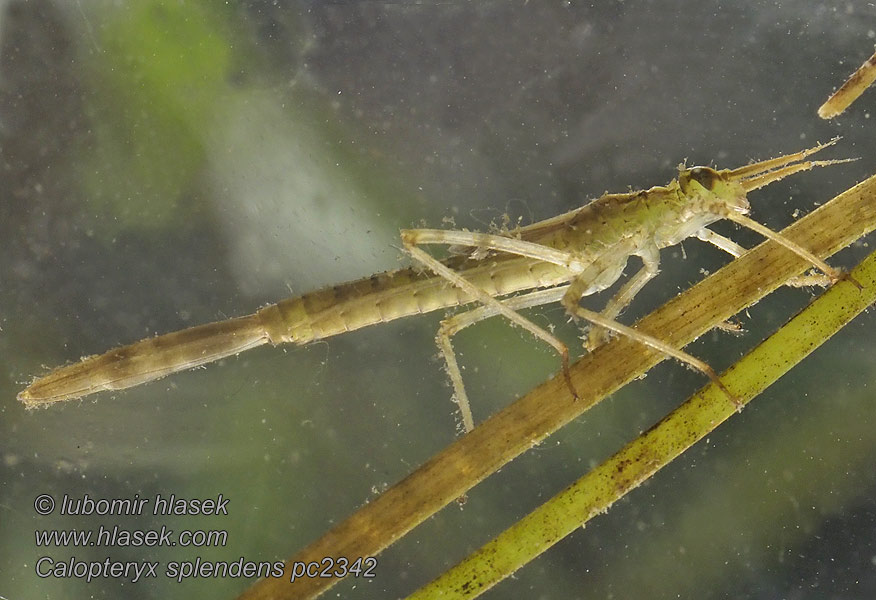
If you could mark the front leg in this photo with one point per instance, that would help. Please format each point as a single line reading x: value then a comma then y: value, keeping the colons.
x: 735, y: 250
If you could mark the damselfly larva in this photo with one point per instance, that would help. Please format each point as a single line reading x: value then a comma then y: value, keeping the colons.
x: 849, y: 91
x: 559, y: 259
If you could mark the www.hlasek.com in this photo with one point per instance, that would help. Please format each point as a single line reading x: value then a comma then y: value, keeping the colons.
x: 112, y: 535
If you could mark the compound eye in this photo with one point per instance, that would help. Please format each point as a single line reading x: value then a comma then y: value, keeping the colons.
x: 704, y: 176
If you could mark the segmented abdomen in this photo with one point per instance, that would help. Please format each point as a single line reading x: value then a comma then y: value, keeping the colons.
x: 395, y: 294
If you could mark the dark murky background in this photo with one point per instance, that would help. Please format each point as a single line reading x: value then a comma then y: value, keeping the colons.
x: 168, y: 163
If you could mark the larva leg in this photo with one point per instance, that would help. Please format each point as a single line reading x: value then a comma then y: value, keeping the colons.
x: 453, y: 325
x: 571, y: 302
x: 411, y: 238
x: 650, y: 269
x: 735, y: 250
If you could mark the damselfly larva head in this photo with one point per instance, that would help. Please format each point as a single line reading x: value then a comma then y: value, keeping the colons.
x: 700, y: 196
x: 713, y: 190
